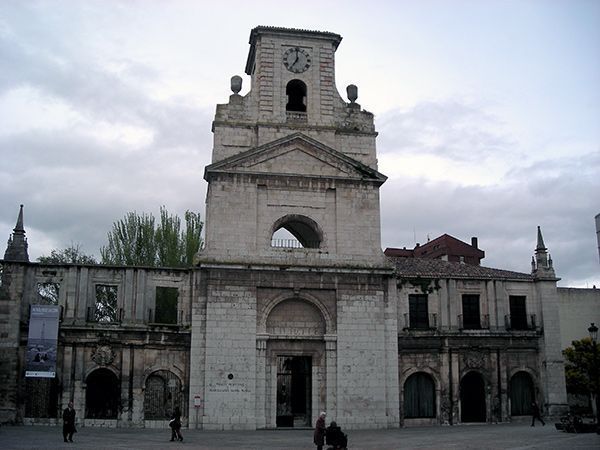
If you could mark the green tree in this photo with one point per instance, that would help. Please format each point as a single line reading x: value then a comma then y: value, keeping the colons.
x: 581, y: 368
x: 70, y: 255
x: 140, y: 240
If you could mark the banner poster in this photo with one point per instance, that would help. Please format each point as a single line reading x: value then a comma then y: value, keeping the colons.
x: 42, y: 341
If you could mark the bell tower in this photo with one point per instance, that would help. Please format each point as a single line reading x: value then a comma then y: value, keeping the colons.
x: 292, y: 262
x: 292, y: 154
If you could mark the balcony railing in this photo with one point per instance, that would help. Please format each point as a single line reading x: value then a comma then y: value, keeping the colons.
x: 422, y: 323
x: 296, y: 116
x: 482, y: 324
x: 293, y: 243
x: 97, y: 315
x: 151, y: 318
x: 523, y: 323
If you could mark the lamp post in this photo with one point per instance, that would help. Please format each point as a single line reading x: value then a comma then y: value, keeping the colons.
x: 593, y: 330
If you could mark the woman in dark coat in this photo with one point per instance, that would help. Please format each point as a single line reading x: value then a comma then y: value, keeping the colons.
x: 335, y: 437
x: 175, y: 425
x: 319, y: 436
x: 69, y: 423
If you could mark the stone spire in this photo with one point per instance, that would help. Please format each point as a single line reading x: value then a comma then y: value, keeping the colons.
x: 16, y: 249
x: 541, y: 265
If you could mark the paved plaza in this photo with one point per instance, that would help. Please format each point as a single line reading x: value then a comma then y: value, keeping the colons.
x: 505, y: 436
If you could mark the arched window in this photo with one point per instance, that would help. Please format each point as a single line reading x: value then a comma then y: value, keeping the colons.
x: 302, y: 232
x: 296, y: 96
x: 521, y: 394
x: 162, y: 395
x: 102, y: 395
x: 419, y: 396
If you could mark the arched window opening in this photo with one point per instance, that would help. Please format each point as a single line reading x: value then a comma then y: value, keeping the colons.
x: 419, y: 396
x: 296, y: 96
x: 296, y: 232
x: 102, y: 395
x: 161, y: 395
x: 472, y: 398
x: 521, y: 394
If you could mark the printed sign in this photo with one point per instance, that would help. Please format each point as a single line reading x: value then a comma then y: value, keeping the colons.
x: 42, y: 341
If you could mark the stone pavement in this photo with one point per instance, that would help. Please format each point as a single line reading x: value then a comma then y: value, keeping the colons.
x: 504, y: 436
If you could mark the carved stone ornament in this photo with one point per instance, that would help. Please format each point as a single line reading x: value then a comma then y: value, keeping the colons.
x: 475, y: 360
x: 103, y: 355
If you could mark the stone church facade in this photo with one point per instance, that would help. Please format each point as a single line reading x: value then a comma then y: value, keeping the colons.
x: 264, y: 331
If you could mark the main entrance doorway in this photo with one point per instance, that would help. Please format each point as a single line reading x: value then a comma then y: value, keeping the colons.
x: 472, y: 398
x: 293, y: 391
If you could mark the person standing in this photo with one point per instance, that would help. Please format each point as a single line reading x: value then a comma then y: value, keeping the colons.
x: 319, y: 435
x: 69, y: 423
x: 175, y: 425
x: 535, y: 414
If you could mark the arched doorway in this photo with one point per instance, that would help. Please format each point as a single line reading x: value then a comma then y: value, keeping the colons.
x: 161, y: 395
x: 521, y: 394
x: 294, y: 360
x: 102, y: 395
x: 419, y: 396
x: 472, y: 398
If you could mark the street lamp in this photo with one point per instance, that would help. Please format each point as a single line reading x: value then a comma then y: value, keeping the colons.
x: 593, y: 330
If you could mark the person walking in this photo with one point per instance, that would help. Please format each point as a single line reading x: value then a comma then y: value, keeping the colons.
x: 69, y: 423
x: 535, y: 414
x: 319, y: 435
x: 175, y: 424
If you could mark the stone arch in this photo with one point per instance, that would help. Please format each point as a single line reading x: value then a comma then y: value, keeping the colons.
x: 162, y: 394
x: 300, y: 296
x: 296, y: 317
x: 521, y: 393
x: 473, y: 397
x: 308, y: 232
x: 419, y: 395
x: 296, y: 96
x: 102, y: 394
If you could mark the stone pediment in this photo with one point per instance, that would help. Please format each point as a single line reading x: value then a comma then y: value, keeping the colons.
x: 299, y: 155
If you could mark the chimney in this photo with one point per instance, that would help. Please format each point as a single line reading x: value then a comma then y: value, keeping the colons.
x: 474, y: 242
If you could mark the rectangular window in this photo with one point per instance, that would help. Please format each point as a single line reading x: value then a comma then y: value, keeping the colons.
x: 470, y: 309
x: 48, y: 292
x: 417, y: 311
x: 166, y: 305
x: 518, y: 312
x: 106, y: 310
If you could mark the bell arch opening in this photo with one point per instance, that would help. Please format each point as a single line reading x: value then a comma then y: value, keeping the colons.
x: 296, y: 95
x: 295, y: 231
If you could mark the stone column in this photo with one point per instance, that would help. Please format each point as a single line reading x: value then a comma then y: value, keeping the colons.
x: 331, y: 374
x: 261, y: 378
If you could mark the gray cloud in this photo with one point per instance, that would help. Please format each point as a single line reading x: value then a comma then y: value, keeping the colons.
x: 449, y: 129
x: 559, y: 195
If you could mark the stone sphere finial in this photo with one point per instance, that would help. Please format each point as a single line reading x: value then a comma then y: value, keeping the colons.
x: 352, y: 92
x: 236, y: 84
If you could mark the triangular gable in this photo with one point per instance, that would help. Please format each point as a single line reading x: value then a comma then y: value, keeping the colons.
x: 296, y: 154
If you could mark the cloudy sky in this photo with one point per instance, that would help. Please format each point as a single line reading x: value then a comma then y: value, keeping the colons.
x: 488, y: 114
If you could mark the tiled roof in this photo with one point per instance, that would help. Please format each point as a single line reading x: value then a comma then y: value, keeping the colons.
x: 436, y: 268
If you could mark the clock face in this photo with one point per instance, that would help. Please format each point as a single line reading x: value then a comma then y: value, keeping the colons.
x: 296, y: 60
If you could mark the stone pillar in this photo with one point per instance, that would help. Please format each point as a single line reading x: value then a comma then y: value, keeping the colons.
x: 551, y: 359
x: 331, y: 374
x: 261, y: 378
